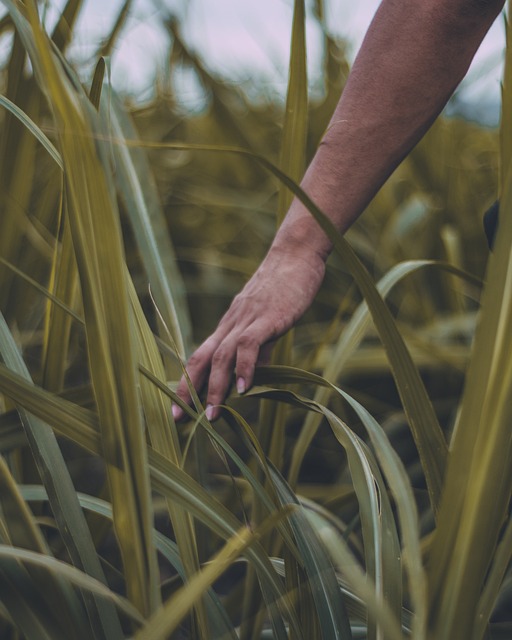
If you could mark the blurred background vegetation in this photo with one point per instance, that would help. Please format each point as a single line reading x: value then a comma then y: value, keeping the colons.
x: 195, y: 224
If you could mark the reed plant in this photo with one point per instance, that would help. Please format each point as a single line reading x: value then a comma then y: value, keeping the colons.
x: 361, y: 489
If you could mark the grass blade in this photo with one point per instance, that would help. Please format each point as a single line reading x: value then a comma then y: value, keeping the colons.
x: 292, y: 161
x: 18, y: 520
x: 333, y: 618
x: 33, y: 128
x: 82, y: 426
x: 347, y: 343
x: 63, y: 31
x: 395, y: 476
x: 96, y: 239
x: 59, y: 317
x: 65, y: 506
x: 24, y: 611
x: 220, y: 623
x: 165, y: 621
x: 137, y: 190
x: 478, y: 483
x: 164, y: 438
x: 97, y: 83
x: 71, y: 574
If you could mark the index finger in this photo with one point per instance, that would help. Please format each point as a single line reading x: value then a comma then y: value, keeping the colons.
x: 197, y: 369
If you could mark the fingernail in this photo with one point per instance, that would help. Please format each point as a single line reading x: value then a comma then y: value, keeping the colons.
x: 240, y: 385
x: 177, y: 412
x: 209, y: 412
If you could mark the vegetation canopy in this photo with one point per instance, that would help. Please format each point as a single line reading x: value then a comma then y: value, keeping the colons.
x: 361, y: 488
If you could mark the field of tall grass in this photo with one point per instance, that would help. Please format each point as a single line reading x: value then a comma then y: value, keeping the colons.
x: 361, y: 488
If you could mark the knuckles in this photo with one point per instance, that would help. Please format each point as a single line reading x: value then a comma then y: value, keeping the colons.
x: 222, y: 356
x: 248, y: 342
x: 194, y: 362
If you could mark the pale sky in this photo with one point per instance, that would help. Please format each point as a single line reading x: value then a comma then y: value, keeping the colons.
x: 245, y: 38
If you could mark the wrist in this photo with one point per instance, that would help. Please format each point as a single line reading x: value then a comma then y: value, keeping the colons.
x: 301, y: 234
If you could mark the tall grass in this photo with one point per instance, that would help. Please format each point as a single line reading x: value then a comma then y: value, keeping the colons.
x: 361, y: 488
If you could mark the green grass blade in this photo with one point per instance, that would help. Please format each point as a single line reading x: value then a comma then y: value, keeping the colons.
x: 346, y: 345
x: 58, y: 322
x: 292, y: 162
x: 82, y: 426
x: 69, y: 573
x: 16, y: 167
x: 220, y: 623
x: 97, y: 83
x: 66, y: 418
x: 400, y: 487
x: 381, y: 547
x: 479, y: 477
x: 173, y: 482
x: 96, y: 239
x: 506, y: 104
x: 395, y: 476
x: 380, y: 537
x: 386, y: 611
x: 292, y: 158
x: 165, y: 621
x: 41, y: 289
x: 53, y: 471
x: 32, y: 128
x: 494, y: 581
x: 63, y: 31
x: 164, y: 438
x: 268, y: 498
x: 19, y: 521
x: 333, y: 618
x: 137, y: 190
x: 20, y: 530
x: 24, y: 611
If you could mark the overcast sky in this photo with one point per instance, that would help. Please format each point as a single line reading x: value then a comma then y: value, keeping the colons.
x: 245, y: 38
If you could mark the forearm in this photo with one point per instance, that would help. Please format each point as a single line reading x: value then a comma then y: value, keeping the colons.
x: 413, y: 57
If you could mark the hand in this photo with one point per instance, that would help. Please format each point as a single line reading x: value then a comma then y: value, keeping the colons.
x: 273, y: 300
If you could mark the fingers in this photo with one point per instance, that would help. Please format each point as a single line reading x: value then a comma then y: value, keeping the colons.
x: 253, y: 349
x: 216, y: 360
x: 198, y: 367
x: 221, y: 373
x: 246, y: 355
x: 246, y: 349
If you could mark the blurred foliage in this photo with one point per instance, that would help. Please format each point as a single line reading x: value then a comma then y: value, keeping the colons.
x: 339, y: 535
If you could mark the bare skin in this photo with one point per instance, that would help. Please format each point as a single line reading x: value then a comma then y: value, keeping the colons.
x: 414, y: 55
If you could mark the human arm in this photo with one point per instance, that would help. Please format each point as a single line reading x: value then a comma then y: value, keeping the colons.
x: 414, y: 55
